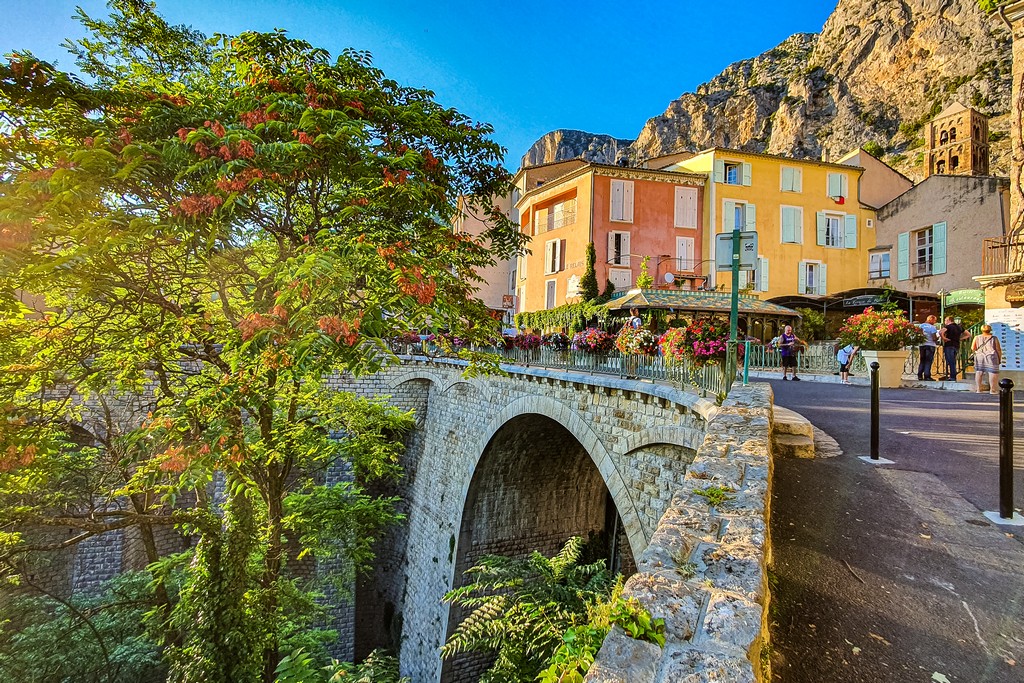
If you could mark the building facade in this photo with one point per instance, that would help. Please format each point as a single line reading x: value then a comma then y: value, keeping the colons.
x: 628, y: 213
x: 814, y: 233
x: 498, y: 281
x: 956, y: 142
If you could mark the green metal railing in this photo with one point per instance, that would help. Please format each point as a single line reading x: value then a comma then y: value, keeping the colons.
x: 707, y: 380
x: 818, y: 358
x: 964, y: 359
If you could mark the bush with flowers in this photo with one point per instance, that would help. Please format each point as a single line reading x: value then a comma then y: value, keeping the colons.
x: 408, y: 338
x: 557, y: 341
x: 593, y: 340
x: 640, y: 341
x: 526, y: 341
x: 704, y: 342
x: 885, y: 330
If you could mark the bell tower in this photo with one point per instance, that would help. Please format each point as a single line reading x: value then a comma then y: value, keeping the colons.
x: 957, y: 142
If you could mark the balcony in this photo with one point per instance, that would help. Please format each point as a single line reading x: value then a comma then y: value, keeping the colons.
x: 878, y: 274
x: 561, y: 220
x: 920, y: 268
x: 1001, y: 255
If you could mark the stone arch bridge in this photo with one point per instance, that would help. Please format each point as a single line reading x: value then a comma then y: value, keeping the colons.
x: 509, y: 464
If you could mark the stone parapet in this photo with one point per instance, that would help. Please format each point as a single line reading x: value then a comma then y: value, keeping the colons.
x: 705, y: 569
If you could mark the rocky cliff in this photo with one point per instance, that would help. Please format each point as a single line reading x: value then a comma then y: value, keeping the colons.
x: 875, y: 74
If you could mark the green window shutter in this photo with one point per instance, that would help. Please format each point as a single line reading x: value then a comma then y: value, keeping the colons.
x: 788, y: 224
x: 728, y: 216
x: 903, y: 256
x: 850, y: 238
x: 751, y: 217
x: 835, y: 185
x: 823, y: 279
x: 798, y: 180
x: 719, y: 171
x: 801, y: 278
x: 939, y: 248
x: 762, y: 263
x: 746, y: 174
x: 821, y: 228
x: 787, y: 179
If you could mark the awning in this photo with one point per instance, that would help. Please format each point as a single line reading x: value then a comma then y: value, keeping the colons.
x: 682, y: 300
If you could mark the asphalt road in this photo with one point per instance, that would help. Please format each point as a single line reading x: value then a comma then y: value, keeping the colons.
x: 891, y: 573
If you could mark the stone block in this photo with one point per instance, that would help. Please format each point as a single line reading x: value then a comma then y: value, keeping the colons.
x: 667, y: 596
x: 625, y: 660
x: 731, y: 622
x: 697, y: 666
x: 736, y: 567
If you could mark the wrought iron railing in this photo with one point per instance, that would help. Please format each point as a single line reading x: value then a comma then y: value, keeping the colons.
x: 818, y: 358
x: 707, y: 380
x: 964, y: 359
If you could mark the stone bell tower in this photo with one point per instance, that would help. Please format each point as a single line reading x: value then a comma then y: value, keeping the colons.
x: 957, y: 142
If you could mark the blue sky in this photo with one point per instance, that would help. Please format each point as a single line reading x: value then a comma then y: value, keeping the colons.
x: 526, y: 67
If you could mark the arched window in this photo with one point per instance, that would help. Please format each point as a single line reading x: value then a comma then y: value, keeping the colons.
x: 940, y: 167
x: 977, y: 132
x: 952, y: 134
x: 954, y: 161
x: 943, y: 137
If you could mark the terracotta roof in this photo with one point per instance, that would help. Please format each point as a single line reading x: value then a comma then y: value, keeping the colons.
x: 680, y: 300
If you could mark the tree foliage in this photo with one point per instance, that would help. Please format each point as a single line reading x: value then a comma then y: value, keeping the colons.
x: 192, y: 243
x: 588, y: 285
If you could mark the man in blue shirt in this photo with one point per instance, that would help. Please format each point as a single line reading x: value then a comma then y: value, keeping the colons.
x: 927, y: 349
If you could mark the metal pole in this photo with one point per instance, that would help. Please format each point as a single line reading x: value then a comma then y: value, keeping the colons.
x: 1006, y: 448
x: 734, y: 308
x: 746, y: 362
x: 874, y: 410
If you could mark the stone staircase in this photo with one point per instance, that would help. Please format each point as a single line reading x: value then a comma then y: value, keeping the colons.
x: 792, y: 435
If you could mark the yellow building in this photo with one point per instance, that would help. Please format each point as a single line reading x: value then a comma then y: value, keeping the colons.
x: 814, y: 233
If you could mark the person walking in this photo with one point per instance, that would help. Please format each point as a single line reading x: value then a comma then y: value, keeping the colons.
x: 987, y: 357
x: 952, y: 334
x: 845, y: 358
x: 927, y: 349
x: 788, y: 348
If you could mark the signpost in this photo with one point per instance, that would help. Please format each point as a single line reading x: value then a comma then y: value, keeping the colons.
x: 734, y: 252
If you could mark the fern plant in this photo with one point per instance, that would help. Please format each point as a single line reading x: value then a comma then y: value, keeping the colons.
x: 521, y: 609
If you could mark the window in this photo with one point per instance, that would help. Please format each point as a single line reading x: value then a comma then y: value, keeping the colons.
x: 878, y: 265
x: 621, y: 278
x: 837, y: 230
x: 943, y: 137
x: 732, y: 172
x: 738, y: 215
x: 684, y: 254
x: 838, y: 185
x: 554, y: 256
x: 622, y: 201
x: 922, y: 252
x: 940, y: 167
x: 811, y: 278
x: 792, y: 225
x: 792, y: 179
x: 952, y: 134
x: 686, y: 207
x: 833, y: 232
x: 761, y: 275
x: 954, y: 163
x: 540, y: 221
x: 618, y: 248
x: 562, y: 214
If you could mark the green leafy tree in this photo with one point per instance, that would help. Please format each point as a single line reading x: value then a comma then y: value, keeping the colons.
x: 812, y: 324
x: 609, y: 289
x: 208, y: 231
x: 588, y: 285
x: 644, y: 280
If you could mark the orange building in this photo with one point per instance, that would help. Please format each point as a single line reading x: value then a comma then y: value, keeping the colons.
x: 628, y: 213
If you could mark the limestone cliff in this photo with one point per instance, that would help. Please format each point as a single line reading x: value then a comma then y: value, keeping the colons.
x: 560, y: 145
x: 877, y: 71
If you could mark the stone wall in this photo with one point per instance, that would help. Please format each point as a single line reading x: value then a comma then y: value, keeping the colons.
x: 704, y: 570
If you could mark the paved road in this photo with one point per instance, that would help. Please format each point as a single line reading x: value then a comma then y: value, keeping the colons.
x: 891, y: 574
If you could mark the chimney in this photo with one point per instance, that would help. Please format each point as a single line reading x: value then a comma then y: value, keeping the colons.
x: 824, y: 155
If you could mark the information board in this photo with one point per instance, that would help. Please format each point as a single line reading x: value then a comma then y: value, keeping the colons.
x: 1008, y: 327
x: 748, y: 250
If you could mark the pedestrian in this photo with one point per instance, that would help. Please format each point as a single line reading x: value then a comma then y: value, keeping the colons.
x: 952, y: 334
x: 987, y: 357
x: 635, y: 321
x: 789, y: 345
x: 845, y: 358
x: 927, y: 349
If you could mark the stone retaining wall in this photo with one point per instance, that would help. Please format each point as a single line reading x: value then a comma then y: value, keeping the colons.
x: 704, y: 570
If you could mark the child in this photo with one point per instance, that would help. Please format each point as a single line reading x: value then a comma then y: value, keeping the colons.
x: 845, y: 358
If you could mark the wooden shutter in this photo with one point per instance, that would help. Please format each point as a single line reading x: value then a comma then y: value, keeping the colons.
x: 728, y: 216
x: 611, y: 248
x: 617, y: 200
x: 850, y: 238
x: 939, y: 248
x: 762, y: 264
x: 746, y: 174
x: 798, y: 180
x: 903, y: 256
x: 822, y: 279
x: 801, y: 278
x: 788, y: 224
x: 561, y: 255
x: 787, y: 179
x: 844, y: 186
x: 686, y: 207
x: 742, y: 279
x: 751, y: 217
x: 835, y: 188
x: 625, y: 248
x: 822, y: 227
x: 719, y: 173
x: 627, y: 201
x: 549, y: 248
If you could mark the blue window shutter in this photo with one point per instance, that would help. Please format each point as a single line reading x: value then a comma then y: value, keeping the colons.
x: 787, y: 179
x: 903, y: 256
x: 850, y: 240
x: 746, y: 174
x: 801, y: 278
x: 762, y: 263
x: 822, y: 279
x: 835, y: 188
x: 728, y: 216
x: 751, y: 218
x: 821, y: 228
x: 788, y: 224
x: 798, y: 180
x: 719, y: 171
x: 939, y: 248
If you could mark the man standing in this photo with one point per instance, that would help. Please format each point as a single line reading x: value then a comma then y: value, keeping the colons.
x: 952, y: 334
x: 927, y: 349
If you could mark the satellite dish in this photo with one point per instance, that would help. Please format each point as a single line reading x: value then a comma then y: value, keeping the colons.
x: 670, y: 278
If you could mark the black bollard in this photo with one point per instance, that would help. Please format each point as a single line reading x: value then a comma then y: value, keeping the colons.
x: 1006, y: 449
x: 874, y: 410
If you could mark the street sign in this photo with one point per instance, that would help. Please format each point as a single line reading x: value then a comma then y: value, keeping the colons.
x: 748, y: 250
x: 965, y: 296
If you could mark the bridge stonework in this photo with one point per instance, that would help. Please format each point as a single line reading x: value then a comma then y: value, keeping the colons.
x: 641, y: 438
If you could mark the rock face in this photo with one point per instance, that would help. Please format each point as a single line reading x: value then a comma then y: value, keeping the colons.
x: 561, y: 145
x: 874, y: 75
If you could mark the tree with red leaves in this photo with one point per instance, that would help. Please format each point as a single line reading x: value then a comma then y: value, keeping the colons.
x: 191, y: 242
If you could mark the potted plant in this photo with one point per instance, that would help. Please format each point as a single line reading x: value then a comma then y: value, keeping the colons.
x: 556, y: 341
x: 883, y: 336
x: 636, y: 341
x: 593, y: 340
x: 703, y: 342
